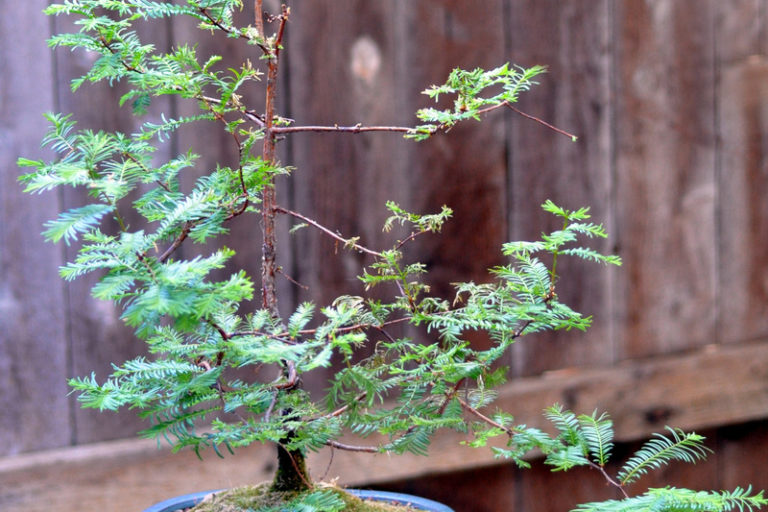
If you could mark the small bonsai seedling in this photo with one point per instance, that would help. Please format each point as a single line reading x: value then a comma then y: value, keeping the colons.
x: 197, y: 328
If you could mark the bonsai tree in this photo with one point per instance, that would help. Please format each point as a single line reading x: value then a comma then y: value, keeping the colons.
x: 198, y: 330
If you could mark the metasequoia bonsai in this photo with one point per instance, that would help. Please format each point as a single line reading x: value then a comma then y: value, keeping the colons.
x: 210, y: 380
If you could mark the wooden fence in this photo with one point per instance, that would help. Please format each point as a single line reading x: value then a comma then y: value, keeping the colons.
x: 669, y: 99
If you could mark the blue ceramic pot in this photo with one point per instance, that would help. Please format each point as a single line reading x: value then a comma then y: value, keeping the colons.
x: 189, y: 500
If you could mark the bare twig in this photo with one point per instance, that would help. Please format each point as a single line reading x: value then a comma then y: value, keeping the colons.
x: 352, y: 448
x: 292, y: 280
x: 411, y: 237
x: 284, y: 14
x: 449, y: 396
x: 540, y: 121
x: 177, y: 242
x: 239, y: 145
x: 342, y: 410
x: 291, y: 375
x: 608, y: 478
x: 358, y: 128
x: 335, y: 236
x: 145, y: 169
x: 328, y: 467
x: 271, y: 407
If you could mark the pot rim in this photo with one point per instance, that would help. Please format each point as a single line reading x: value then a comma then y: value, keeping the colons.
x: 189, y: 500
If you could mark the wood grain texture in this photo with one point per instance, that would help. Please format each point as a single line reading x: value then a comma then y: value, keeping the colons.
x: 665, y: 175
x: 742, y: 97
x: 469, y: 162
x: 741, y: 452
x: 345, y: 181
x: 343, y: 73
x: 573, y: 40
x: 33, y: 344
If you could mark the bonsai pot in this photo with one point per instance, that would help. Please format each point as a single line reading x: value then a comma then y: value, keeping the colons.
x: 189, y: 500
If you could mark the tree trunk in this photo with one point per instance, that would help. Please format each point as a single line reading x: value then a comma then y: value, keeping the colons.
x: 292, y: 474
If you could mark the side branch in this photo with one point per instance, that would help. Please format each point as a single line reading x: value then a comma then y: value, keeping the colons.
x: 484, y: 418
x: 358, y: 128
x: 410, y: 237
x: 284, y: 336
x: 352, y: 448
x: 347, y: 242
x: 540, y: 121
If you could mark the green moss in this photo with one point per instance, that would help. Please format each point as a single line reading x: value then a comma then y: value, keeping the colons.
x: 254, y: 498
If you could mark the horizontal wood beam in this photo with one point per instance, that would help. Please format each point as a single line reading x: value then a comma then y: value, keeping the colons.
x: 712, y: 387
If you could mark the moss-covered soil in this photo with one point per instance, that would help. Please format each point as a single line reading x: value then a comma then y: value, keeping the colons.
x: 253, y: 498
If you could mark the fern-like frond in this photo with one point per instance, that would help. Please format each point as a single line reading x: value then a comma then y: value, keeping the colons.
x: 317, y: 501
x: 597, y: 432
x: 416, y: 442
x: 661, y: 450
x: 566, y: 457
x: 74, y: 221
x: 568, y: 424
x: 670, y: 499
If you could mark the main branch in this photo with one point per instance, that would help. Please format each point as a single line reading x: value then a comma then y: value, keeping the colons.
x: 291, y: 474
x: 269, y: 154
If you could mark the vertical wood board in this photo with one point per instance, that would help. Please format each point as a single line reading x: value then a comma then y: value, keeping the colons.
x: 573, y: 40
x: 465, y: 168
x: 342, y: 72
x: 33, y: 344
x: 665, y: 175
x: 742, y: 174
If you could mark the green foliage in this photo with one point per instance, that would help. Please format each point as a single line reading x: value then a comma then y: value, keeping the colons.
x: 587, y: 440
x: 475, y: 93
x: 660, y: 451
x: 194, y: 311
x: 682, y: 500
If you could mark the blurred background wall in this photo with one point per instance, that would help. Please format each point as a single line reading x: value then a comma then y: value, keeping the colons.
x: 669, y: 99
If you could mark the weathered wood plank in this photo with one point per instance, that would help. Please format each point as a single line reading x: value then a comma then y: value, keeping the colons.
x: 339, y: 72
x: 486, y: 489
x: 742, y: 97
x: 741, y: 450
x: 665, y: 175
x: 465, y: 169
x: 711, y: 387
x: 121, y: 476
x: 382, y: 62
x: 540, y: 490
x: 33, y: 344
x: 573, y: 40
x: 388, y: 56
x: 336, y: 173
